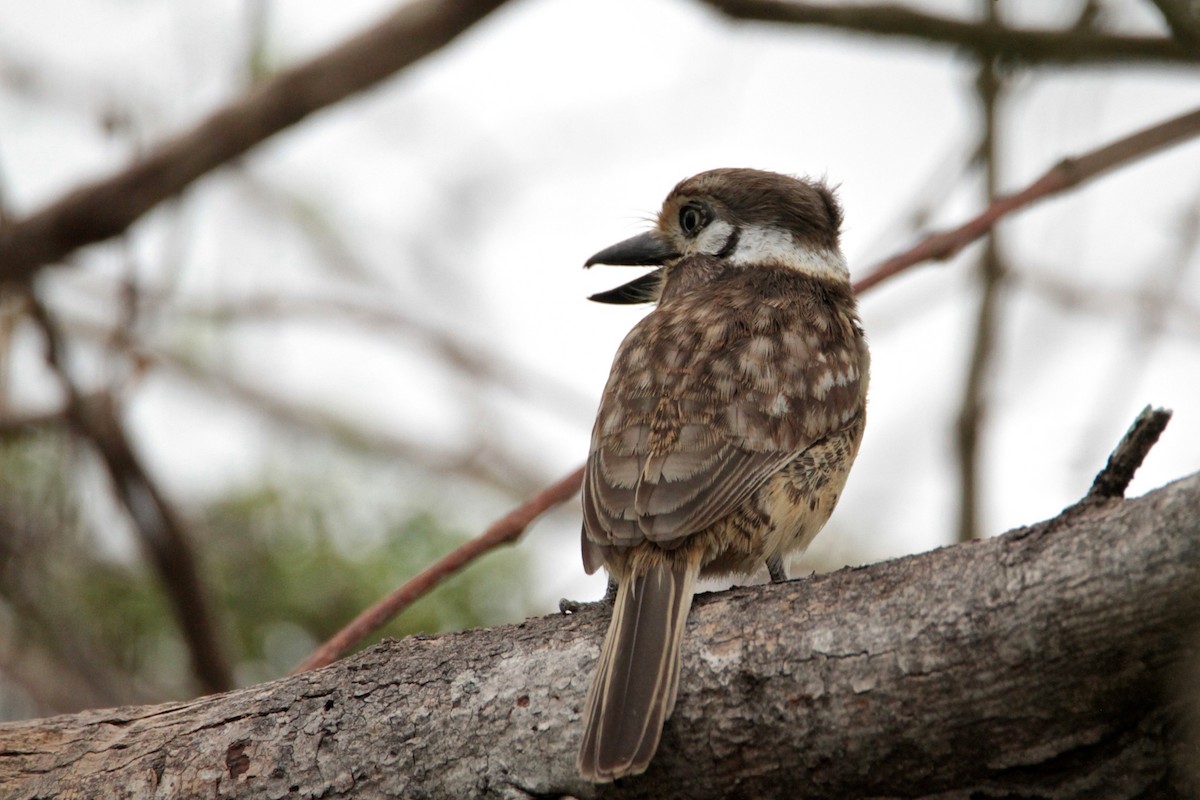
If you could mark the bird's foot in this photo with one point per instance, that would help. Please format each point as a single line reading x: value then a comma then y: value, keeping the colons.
x: 775, y: 567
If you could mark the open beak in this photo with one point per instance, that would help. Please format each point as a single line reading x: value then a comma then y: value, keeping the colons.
x: 639, y: 290
x: 644, y: 250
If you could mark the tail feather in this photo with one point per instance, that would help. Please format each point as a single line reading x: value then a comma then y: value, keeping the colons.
x: 637, y: 677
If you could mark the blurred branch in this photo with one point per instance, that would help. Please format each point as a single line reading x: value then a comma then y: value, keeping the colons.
x: 473, y: 461
x: 505, y: 530
x: 470, y: 359
x: 469, y: 462
x: 913, y: 213
x: 990, y: 271
x: 50, y: 655
x: 105, y: 208
x: 983, y: 39
x: 1183, y: 18
x: 1177, y: 315
x: 161, y: 532
x: 13, y: 426
x: 1066, y: 174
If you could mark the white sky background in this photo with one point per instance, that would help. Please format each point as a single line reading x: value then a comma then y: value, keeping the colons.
x: 472, y: 187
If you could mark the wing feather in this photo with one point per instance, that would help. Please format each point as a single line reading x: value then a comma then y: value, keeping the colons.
x: 709, y: 396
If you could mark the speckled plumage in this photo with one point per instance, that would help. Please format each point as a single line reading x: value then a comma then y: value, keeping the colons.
x: 725, y: 433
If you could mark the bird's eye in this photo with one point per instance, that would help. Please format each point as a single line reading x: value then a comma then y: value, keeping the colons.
x: 691, y: 219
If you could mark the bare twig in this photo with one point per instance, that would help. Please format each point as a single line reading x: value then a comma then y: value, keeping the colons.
x: 107, y: 207
x: 505, y: 530
x: 1113, y: 480
x: 1066, y: 174
x: 161, y: 532
x: 1069, y: 46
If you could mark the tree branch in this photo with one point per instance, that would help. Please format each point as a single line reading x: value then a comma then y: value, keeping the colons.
x: 1066, y: 174
x: 990, y: 273
x: 161, y: 532
x: 106, y: 208
x: 1183, y: 18
x: 1033, y: 664
x: 1114, y: 479
x: 984, y: 40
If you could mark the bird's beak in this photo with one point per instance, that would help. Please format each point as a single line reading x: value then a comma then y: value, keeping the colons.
x: 644, y: 250
x: 639, y: 290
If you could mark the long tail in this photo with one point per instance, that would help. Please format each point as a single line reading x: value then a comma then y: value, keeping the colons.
x: 633, y: 692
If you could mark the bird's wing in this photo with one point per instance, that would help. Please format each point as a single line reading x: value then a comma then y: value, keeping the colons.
x: 704, y: 404
x: 665, y: 477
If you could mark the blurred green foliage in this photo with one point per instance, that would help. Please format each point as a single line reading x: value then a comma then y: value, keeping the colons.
x: 285, y: 568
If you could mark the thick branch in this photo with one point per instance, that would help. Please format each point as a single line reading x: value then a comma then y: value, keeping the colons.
x: 109, y: 206
x: 1033, y: 664
x: 985, y: 40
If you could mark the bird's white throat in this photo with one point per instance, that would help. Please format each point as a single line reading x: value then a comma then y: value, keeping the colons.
x: 759, y: 244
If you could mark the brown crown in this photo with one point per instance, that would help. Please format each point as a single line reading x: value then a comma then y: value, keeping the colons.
x: 809, y: 209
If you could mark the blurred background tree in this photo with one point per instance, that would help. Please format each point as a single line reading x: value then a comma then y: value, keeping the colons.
x: 280, y: 394
x: 86, y: 624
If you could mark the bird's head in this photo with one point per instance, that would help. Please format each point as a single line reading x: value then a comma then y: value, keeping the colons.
x: 741, y: 217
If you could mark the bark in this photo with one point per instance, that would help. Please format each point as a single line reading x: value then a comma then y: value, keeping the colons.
x: 1055, y: 661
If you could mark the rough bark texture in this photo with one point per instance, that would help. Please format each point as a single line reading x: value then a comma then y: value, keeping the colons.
x: 1055, y: 661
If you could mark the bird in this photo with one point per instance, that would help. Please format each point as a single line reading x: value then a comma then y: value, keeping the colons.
x: 726, y: 430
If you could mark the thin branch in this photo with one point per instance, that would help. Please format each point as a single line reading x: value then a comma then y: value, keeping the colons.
x: 505, y: 530
x: 1179, y: 317
x: 473, y: 461
x: 161, y: 532
x: 985, y: 40
x: 1066, y: 174
x: 103, y: 209
x: 473, y: 360
x: 1113, y: 480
